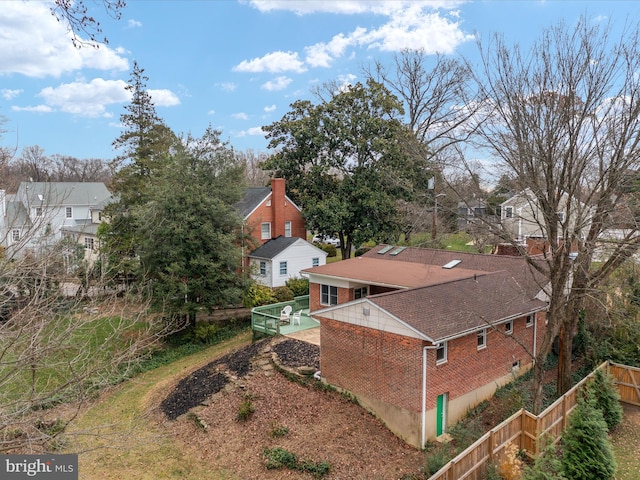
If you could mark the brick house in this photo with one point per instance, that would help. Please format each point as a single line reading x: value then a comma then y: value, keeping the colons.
x: 420, y: 336
x: 269, y: 213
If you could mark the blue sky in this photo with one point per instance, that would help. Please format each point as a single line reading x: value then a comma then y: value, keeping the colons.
x: 234, y: 65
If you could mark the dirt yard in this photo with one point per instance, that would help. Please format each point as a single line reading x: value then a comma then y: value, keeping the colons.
x: 315, y: 425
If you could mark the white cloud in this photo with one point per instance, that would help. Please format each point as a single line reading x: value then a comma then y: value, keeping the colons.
x: 415, y: 29
x: 240, y: 116
x: 211, y: 112
x: 37, y: 109
x: 163, y: 98
x: 272, y: 62
x: 345, y: 7
x: 410, y: 25
x: 9, y: 94
x: 228, y: 86
x: 270, y: 108
x: 277, y: 84
x: 86, y: 99
x: 131, y: 23
x: 253, y: 131
x: 35, y: 44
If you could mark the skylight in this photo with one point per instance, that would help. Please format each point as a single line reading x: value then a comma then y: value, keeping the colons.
x: 452, y: 264
x: 397, y: 250
x: 385, y: 249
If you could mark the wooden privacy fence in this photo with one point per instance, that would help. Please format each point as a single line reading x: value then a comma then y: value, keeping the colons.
x: 524, y: 429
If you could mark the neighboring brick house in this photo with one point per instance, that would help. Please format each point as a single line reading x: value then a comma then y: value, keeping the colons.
x: 420, y: 336
x: 269, y: 213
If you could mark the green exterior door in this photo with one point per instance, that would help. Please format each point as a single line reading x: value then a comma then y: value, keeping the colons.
x: 441, y: 414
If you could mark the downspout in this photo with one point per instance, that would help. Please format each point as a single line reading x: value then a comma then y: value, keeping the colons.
x: 423, y: 434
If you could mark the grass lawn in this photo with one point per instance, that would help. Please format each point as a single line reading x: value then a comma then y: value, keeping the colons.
x: 118, y: 434
x: 626, y: 444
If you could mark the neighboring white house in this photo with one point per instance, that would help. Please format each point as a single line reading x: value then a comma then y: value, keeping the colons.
x: 282, y: 258
x: 37, y: 216
x: 522, y: 217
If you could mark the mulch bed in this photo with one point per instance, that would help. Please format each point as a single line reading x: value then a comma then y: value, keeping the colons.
x: 191, y: 391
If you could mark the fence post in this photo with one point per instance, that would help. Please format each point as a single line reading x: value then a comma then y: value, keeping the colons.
x: 491, y: 434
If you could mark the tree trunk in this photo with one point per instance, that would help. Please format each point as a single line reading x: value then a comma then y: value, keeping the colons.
x: 538, y: 373
x: 192, y: 320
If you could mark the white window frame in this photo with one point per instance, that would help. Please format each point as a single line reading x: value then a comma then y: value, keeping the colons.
x: 482, y: 339
x: 508, y: 327
x: 68, y: 212
x: 38, y: 212
x: 265, y: 230
x: 15, y: 235
x: 443, y: 349
x: 327, y: 295
x: 287, y: 229
x: 530, y: 320
x: 508, y: 212
x: 263, y: 268
x: 89, y: 243
x: 315, y: 261
x: 283, y: 268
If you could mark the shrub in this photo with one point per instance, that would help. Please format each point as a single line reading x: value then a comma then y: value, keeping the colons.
x: 258, y: 295
x: 278, y: 431
x: 330, y: 249
x: 510, y: 466
x: 361, y: 251
x: 603, y: 389
x: 204, y: 333
x: 283, y: 294
x: 298, y: 286
x: 279, y: 457
x: 587, y: 451
x: 547, y: 466
x: 246, y: 410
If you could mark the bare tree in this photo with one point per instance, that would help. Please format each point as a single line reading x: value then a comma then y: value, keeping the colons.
x: 33, y: 164
x: 439, y: 100
x: 255, y: 176
x: 564, y: 119
x: 57, y: 349
x: 71, y: 169
x: 80, y: 20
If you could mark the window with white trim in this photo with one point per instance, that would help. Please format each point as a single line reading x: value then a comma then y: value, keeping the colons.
x: 315, y: 261
x: 328, y: 295
x: 530, y: 319
x: 441, y: 353
x: 88, y: 243
x: 265, y: 229
x: 68, y: 212
x: 287, y: 229
x: 508, y: 212
x: 38, y: 211
x: 263, y: 268
x: 508, y: 327
x: 482, y: 339
x: 15, y: 234
x: 283, y: 268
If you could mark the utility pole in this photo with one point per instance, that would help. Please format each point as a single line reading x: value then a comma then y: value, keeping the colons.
x: 434, y: 219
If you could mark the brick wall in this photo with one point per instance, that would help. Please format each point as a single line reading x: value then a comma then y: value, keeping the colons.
x: 279, y: 211
x: 388, y: 367
x: 373, y: 363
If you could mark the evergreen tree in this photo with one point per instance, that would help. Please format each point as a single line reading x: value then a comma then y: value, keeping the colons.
x: 189, y: 229
x: 607, y: 398
x: 587, y: 449
x: 547, y: 466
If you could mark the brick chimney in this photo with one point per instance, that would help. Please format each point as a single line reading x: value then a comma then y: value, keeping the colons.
x: 278, y: 203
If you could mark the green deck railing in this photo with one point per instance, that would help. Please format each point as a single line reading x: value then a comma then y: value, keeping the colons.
x: 266, y: 318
